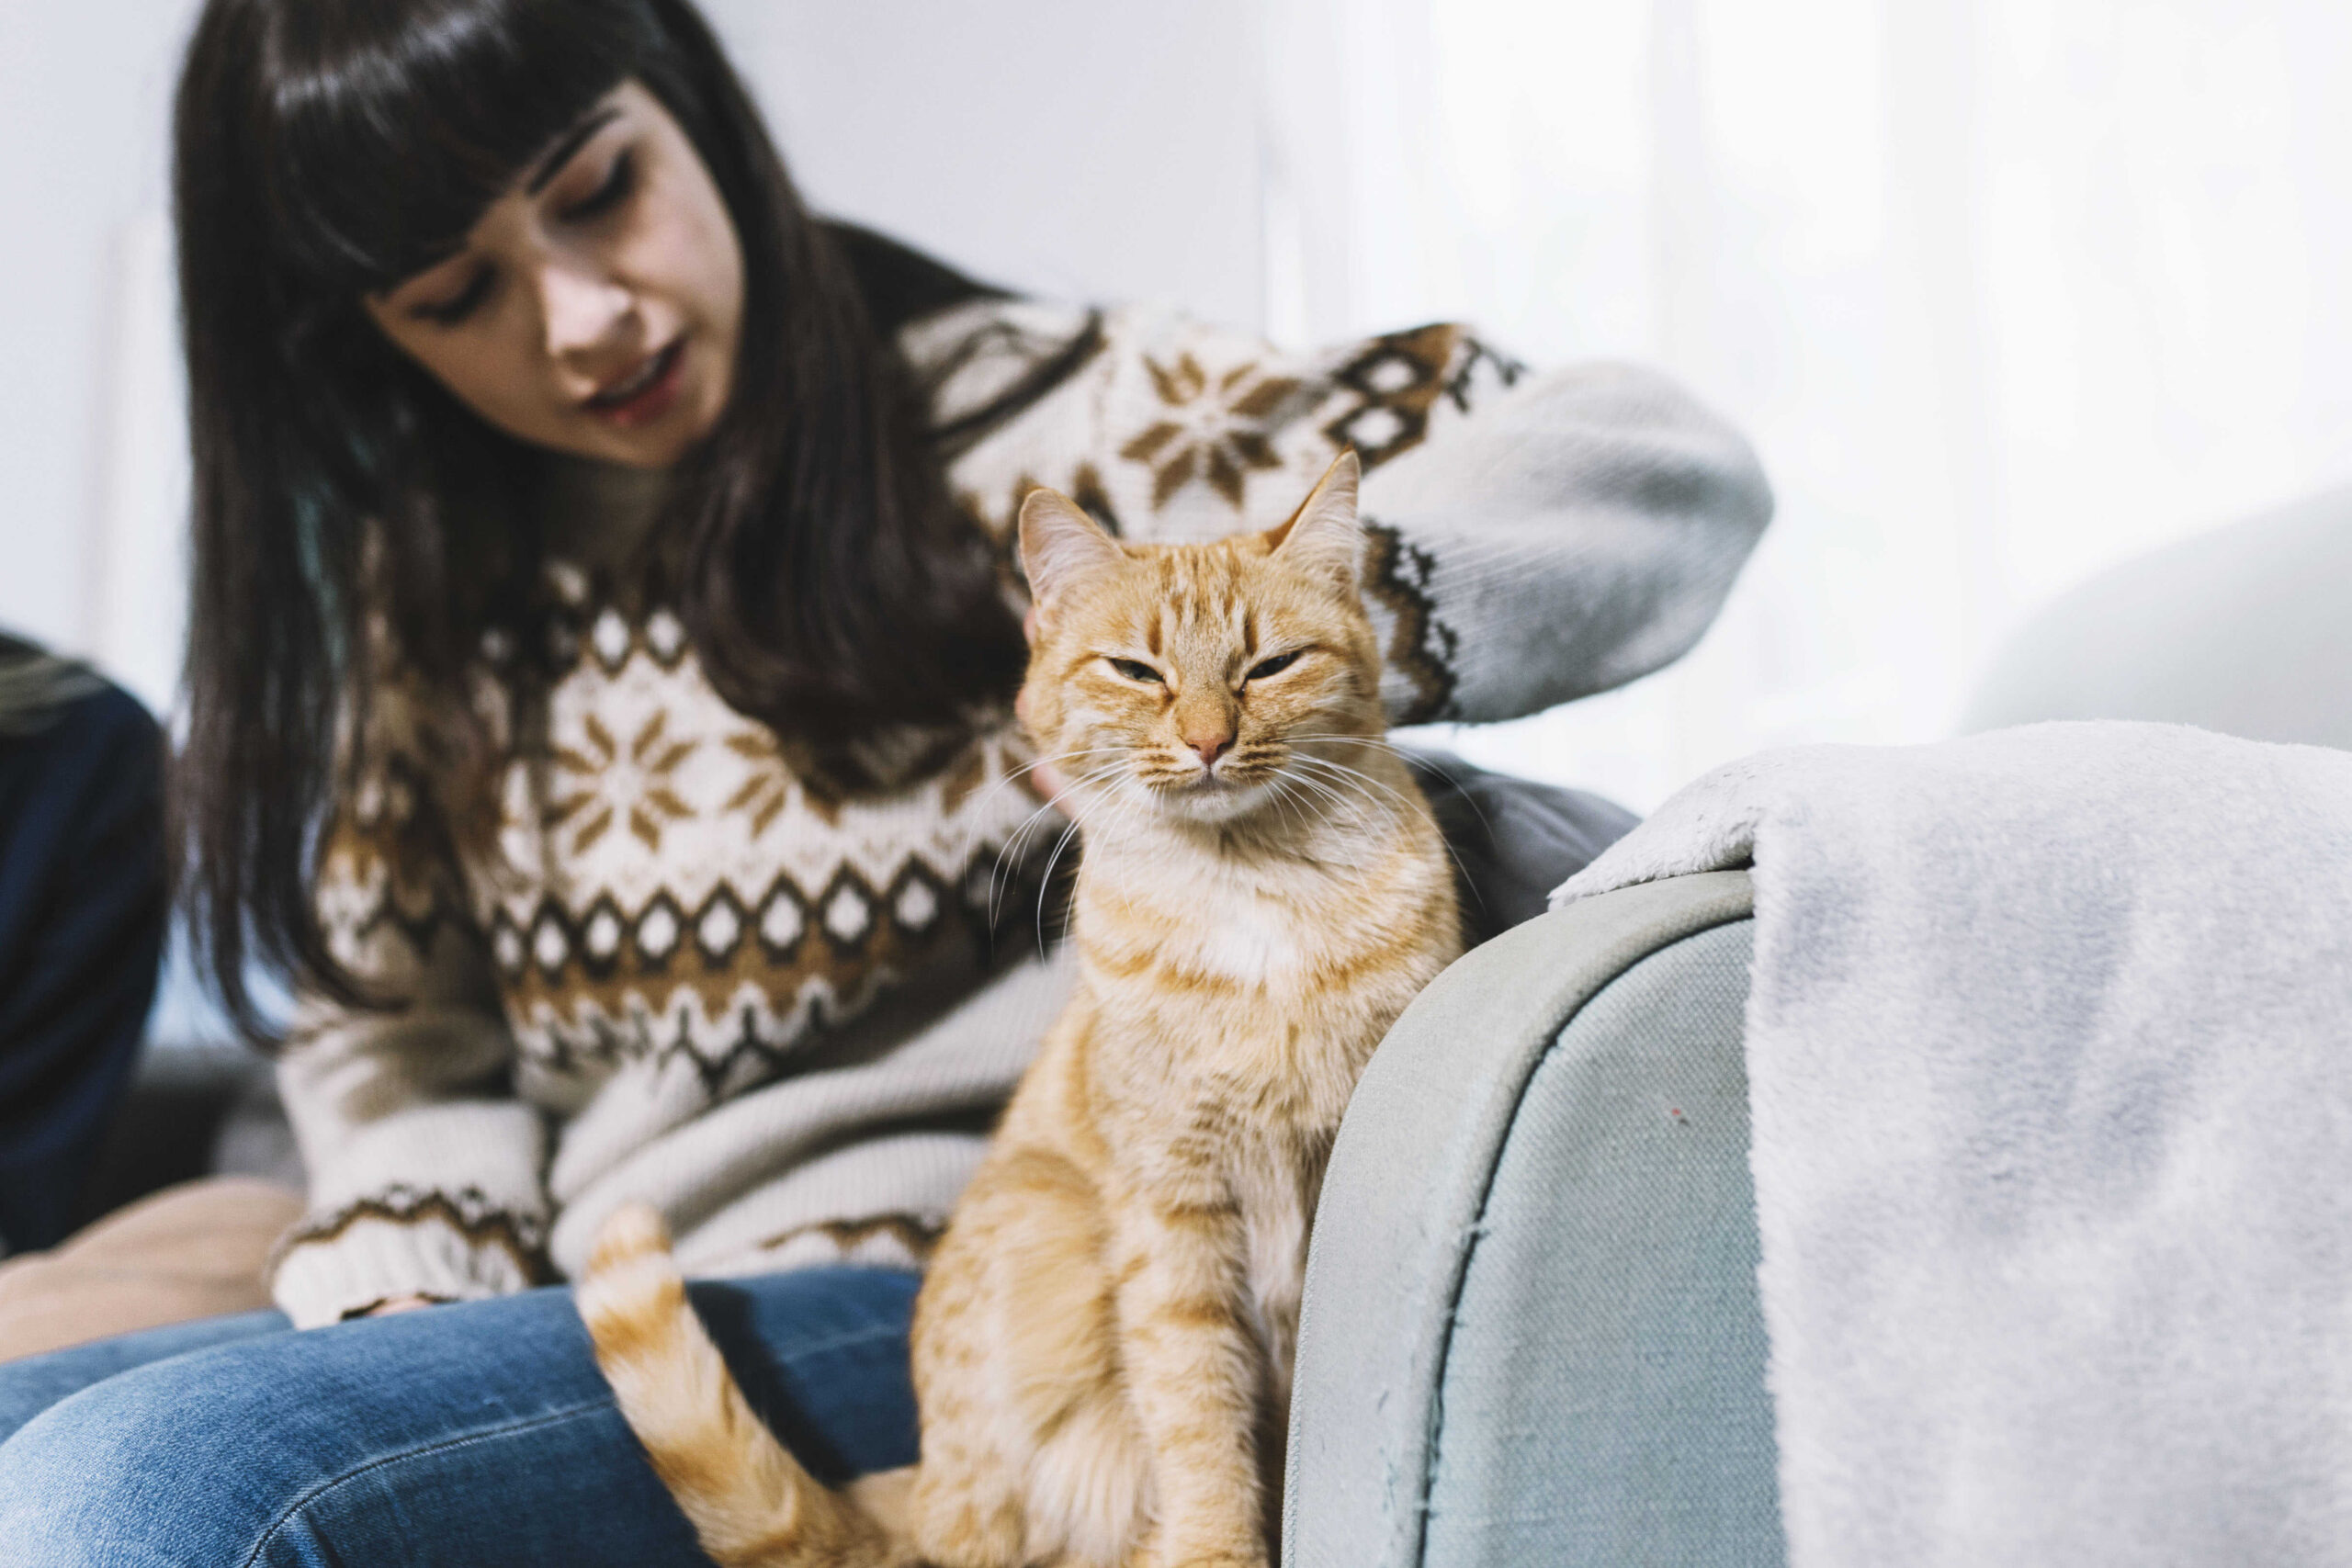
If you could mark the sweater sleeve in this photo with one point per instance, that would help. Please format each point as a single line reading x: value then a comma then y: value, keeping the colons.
x: 1572, y: 532
x: 1532, y: 536
x: 426, y: 1170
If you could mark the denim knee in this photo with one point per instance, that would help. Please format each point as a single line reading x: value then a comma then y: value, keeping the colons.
x: 399, y: 1443
x: 134, y: 1471
x: 475, y: 1433
x: 164, y: 1466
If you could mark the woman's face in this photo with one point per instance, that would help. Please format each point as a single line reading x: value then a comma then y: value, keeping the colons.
x: 596, y: 305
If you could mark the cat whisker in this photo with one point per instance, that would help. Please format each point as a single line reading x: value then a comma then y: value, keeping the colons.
x: 1431, y: 760
x: 1052, y: 805
x: 1013, y: 844
x: 1406, y: 805
x: 1357, y: 775
x: 1016, y: 774
x: 1327, y: 799
x: 1279, y: 791
x: 1077, y: 821
x: 1411, y: 807
x: 1090, y: 776
x: 1321, y: 805
x: 1045, y: 883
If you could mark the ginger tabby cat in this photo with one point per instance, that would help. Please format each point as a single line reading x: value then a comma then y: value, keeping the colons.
x: 1103, y: 1344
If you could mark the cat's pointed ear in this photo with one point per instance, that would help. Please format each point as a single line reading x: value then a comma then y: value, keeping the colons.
x: 1060, y: 546
x: 1323, y: 535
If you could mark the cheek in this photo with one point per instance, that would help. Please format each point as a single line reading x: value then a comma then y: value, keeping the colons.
x: 1109, y: 720
x: 720, y: 299
x: 494, y: 367
x: 704, y: 266
x: 1296, y: 704
x: 1058, y: 716
x: 683, y: 252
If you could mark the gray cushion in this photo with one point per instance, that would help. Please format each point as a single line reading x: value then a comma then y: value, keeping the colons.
x: 1603, y: 1396
x: 2246, y: 630
x: 1532, y: 1333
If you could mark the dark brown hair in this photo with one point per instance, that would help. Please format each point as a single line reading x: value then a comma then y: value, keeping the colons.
x: 328, y: 147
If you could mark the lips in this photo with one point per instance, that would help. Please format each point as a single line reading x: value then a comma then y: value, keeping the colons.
x: 643, y: 393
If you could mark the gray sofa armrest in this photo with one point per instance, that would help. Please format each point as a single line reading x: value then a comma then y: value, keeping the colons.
x: 1531, y: 1331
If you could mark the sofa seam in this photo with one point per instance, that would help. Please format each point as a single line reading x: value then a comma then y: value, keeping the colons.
x: 1478, y: 1224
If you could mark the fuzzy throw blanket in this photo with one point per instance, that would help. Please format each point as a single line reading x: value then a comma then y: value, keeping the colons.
x: 2049, y: 1059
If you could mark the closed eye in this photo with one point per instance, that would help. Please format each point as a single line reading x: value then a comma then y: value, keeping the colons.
x: 1135, y: 670
x: 1274, y: 666
x: 607, y: 196
x: 450, y: 311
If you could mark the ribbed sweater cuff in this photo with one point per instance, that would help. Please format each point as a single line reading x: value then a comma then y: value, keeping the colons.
x: 334, y: 1267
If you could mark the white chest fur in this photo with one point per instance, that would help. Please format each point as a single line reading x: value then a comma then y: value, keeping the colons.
x: 1244, y: 939
x: 1255, y: 930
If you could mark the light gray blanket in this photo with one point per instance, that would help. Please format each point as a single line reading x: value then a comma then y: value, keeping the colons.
x: 2049, y: 1054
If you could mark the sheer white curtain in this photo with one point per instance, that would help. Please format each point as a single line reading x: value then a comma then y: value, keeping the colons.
x: 2004, y: 290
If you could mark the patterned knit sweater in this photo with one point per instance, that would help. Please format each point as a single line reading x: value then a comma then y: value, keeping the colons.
x: 690, y: 971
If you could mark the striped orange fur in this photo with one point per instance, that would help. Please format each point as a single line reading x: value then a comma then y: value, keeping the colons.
x: 1103, y: 1344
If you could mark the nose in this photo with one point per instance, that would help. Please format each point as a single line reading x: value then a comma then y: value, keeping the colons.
x: 1210, y: 745
x: 580, y: 307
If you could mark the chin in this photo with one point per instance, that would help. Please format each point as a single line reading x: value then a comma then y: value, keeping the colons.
x: 1217, y: 803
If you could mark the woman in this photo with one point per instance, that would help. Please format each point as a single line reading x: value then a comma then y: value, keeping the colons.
x: 603, y: 645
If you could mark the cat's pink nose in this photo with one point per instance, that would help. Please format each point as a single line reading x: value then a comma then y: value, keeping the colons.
x: 1209, y: 751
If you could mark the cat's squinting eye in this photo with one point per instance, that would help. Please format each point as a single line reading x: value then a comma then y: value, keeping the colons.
x: 1274, y: 666
x: 1135, y: 670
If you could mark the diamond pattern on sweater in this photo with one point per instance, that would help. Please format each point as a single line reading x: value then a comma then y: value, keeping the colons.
x: 783, y: 920
x: 916, y: 902
x: 697, y: 936
x: 657, y: 929
x: 610, y: 637
x: 1395, y: 379
x: 848, y: 910
x: 719, y: 929
x: 665, y: 638
x: 601, y: 935
x: 664, y: 863
x: 671, y: 881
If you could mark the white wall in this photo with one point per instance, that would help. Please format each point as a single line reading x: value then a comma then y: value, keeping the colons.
x: 2004, y: 292
x: 1099, y: 152
x: 1104, y: 151
x: 1066, y: 146
x: 85, y: 93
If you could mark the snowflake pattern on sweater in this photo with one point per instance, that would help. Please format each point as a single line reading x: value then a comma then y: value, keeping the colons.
x: 762, y: 1000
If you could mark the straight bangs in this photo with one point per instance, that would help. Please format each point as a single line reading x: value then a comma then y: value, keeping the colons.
x: 391, y: 141
x: 326, y: 150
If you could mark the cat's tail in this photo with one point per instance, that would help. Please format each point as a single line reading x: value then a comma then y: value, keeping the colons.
x: 751, y: 1502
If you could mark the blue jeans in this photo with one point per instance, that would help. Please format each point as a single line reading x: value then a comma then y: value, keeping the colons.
x: 473, y: 1434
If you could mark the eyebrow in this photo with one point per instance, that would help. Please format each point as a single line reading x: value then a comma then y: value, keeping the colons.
x: 552, y: 162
